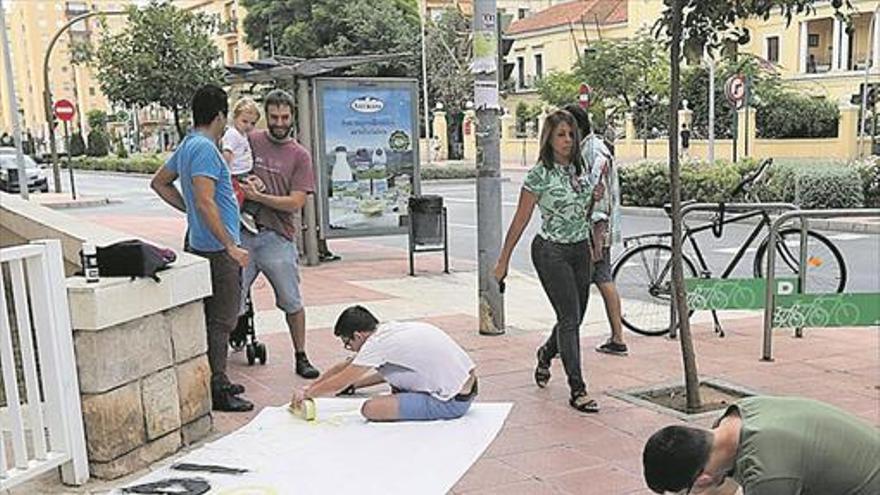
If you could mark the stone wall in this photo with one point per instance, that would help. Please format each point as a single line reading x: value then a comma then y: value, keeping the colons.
x: 140, y: 345
x: 145, y: 389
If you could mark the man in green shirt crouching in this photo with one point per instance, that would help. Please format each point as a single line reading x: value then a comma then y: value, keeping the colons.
x: 769, y: 445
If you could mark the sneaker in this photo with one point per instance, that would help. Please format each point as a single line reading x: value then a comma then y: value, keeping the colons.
x: 224, y: 401
x: 249, y: 223
x: 304, y: 368
x: 611, y: 347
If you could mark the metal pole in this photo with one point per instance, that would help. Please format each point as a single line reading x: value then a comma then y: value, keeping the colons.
x: 770, y: 293
x: 864, y: 113
x: 13, y: 106
x: 491, y: 302
x: 802, y: 268
x: 69, y: 162
x: 47, y: 92
x: 746, y: 133
x: 711, y: 63
x: 423, y: 6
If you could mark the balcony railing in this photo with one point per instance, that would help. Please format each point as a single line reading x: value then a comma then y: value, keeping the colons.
x: 228, y: 27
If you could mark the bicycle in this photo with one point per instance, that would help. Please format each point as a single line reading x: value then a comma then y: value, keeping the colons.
x: 643, y: 272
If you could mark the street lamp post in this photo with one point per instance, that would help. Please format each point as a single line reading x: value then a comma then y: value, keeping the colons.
x: 13, y: 107
x: 864, y: 113
x: 47, y: 93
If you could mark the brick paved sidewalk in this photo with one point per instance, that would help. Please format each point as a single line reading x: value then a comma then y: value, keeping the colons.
x: 545, y: 446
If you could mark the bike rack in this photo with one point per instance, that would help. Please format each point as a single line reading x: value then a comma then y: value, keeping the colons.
x: 770, y: 294
x: 733, y: 207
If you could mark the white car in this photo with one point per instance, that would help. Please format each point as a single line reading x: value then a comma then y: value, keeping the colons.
x: 36, y: 174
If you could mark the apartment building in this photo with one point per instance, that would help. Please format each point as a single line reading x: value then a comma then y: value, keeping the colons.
x: 228, y: 16
x: 30, y: 26
x: 816, y: 53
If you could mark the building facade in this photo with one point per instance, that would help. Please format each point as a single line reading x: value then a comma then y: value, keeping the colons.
x: 228, y: 16
x: 815, y: 53
x: 30, y: 26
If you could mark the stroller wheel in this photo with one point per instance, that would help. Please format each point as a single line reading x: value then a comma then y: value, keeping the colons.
x: 261, y: 354
x: 251, y: 354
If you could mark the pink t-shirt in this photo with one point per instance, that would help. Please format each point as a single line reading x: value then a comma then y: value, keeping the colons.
x: 284, y: 168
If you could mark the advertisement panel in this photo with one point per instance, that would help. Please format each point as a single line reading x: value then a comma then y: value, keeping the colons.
x: 368, y: 149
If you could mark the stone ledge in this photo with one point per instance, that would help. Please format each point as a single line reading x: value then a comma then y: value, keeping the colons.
x: 115, y: 300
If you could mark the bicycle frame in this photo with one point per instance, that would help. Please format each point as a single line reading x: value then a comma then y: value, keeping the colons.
x: 737, y: 257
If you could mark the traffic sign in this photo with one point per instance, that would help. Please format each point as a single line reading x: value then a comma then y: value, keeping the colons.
x: 585, y: 95
x: 735, y: 89
x: 64, y: 110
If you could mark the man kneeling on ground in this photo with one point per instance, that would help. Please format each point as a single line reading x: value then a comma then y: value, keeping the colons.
x: 770, y: 446
x: 431, y: 377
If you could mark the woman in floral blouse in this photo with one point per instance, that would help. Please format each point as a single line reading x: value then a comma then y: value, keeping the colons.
x: 558, y: 186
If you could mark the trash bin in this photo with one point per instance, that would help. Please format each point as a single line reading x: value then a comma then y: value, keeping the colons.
x: 426, y: 215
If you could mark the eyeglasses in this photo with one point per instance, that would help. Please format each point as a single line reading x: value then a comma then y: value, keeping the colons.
x: 347, y: 343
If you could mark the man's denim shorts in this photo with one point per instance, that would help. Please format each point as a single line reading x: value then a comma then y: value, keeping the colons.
x: 277, y: 257
x: 419, y: 406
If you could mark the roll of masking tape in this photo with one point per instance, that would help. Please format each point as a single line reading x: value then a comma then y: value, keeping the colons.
x: 306, y: 410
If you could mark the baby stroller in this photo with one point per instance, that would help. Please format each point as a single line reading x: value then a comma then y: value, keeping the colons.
x: 245, y: 337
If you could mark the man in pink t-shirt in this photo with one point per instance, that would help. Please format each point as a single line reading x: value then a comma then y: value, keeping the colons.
x: 285, y: 168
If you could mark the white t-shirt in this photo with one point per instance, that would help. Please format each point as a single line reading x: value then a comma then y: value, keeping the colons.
x: 242, y: 156
x: 416, y: 357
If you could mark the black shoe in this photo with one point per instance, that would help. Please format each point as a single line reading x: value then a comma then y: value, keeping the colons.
x: 304, y: 368
x: 226, y: 402
x: 233, y: 388
x: 611, y: 347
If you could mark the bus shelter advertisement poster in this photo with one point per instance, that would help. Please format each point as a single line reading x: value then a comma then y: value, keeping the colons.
x: 369, y: 148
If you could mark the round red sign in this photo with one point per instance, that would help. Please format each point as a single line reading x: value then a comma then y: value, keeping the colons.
x: 64, y: 110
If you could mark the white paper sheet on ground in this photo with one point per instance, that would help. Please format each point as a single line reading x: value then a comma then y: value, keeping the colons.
x: 341, y: 453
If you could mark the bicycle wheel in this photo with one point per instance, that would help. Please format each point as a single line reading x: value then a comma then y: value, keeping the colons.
x: 643, y: 276
x: 826, y: 270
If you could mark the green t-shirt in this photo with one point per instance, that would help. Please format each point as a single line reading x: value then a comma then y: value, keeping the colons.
x: 563, y: 205
x: 798, y: 446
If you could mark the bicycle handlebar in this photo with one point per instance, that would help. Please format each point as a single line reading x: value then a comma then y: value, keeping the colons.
x: 746, y: 183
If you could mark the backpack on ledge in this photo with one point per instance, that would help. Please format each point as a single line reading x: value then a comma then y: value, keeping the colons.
x: 133, y: 258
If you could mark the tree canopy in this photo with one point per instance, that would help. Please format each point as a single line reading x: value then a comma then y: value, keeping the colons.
x: 161, y: 56
x: 325, y: 28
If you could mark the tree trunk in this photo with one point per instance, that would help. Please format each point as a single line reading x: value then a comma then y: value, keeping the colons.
x: 691, y: 378
x: 176, y: 110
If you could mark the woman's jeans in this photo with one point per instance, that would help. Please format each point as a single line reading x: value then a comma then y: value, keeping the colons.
x: 564, y: 271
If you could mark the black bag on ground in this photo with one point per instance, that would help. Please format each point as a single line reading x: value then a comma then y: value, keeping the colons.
x: 133, y: 258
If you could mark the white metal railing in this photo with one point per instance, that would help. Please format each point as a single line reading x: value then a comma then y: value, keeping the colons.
x: 44, y: 428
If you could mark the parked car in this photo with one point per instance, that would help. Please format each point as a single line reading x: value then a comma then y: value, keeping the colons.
x: 36, y: 174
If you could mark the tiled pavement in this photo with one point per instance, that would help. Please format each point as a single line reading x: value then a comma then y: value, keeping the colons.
x: 545, y: 446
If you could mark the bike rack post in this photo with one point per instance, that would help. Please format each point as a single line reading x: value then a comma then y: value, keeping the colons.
x: 714, y: 207
x: 770, y: 294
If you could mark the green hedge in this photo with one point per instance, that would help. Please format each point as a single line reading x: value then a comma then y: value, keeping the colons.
x: 448, y: 172
x: 809, y: 185
x: 144, y: 164
x: 150, y: 163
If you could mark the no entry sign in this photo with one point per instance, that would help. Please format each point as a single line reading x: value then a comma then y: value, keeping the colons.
x: 64, y: 110
x: 585, y: 93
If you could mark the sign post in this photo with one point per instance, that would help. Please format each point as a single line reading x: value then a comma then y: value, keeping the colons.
x: 735, y: 91
x: 64, y: 111
x: 585, y: 96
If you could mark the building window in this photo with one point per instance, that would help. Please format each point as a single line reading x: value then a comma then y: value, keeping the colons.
x: 521, y: 72
x: 773, y: 49
x: 539, y: 66
x: 522, y: 13
x: 92, y: 91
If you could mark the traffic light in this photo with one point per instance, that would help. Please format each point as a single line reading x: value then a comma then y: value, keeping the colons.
x: 505, y: 44
x: 872, y: 98
x: 267, y: 49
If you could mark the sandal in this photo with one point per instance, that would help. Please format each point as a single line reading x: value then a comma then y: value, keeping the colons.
x: 542, y: 370
x: 584, y: 403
